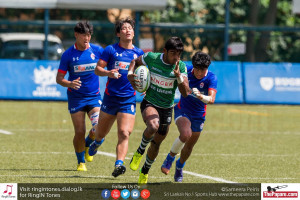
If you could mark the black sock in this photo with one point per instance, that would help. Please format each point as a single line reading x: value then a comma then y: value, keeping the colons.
x: 147, y: 165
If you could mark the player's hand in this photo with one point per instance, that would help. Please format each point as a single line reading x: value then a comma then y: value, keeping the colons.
x: 176, y: 70
x: 114, y: 73
x: 133, y: 81
x: 76, y: 84
x: 197, y: 93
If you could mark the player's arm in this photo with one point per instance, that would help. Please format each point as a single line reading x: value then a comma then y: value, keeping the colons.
x: 134, y: 64
x: 208, y: 99
x: 100, y: 71
x: 183, y: 83
x: 60, y: 79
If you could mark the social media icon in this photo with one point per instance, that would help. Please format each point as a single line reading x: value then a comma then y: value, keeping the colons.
x: 135, y: 194
x: 145, y: 194
x: 115, y: 194
x: 105, y: 194
x: 125, y: 194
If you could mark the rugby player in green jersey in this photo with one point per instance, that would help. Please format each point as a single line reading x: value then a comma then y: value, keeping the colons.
x: 167, y: 73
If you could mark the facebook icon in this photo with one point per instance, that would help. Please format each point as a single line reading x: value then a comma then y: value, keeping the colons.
x: 105, y: 194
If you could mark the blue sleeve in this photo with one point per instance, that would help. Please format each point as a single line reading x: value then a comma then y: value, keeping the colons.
x: 141, y: 52
x: 106, y: 54
x: 64, y: 63
x: 189, y: 68
x: 213, y: 82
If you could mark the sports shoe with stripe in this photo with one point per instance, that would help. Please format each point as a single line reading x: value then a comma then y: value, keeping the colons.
x: 178, y: 176
x: 143, y: 178
x: 166, y: 166
x: 87, y: 156
x: 135, y: 161
x: 81, y: 167
x: 94, y: 147
x: 119, y: 169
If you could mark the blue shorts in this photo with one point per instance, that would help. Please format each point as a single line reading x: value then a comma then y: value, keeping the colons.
x: 197, y: 122
x: 79, y: 103
x: 112, y: 105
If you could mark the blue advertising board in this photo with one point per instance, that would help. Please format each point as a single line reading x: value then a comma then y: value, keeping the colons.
x: 33, y: 80
x: 28, y: 79
x: 272, y: 83
x: 229, y: 76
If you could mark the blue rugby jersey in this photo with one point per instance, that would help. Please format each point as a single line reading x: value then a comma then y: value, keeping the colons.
x: 191, y: 104
x: 82, y: 64
x: 117, y: 57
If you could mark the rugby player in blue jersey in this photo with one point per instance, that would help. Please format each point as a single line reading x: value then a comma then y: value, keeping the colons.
x: 80, y: 61
x: 119, y: 101
x: 190, y: 112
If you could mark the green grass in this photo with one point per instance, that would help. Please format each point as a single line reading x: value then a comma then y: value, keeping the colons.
x: 240, y: 143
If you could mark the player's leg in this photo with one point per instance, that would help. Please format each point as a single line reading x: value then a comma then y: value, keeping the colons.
x: 184, y: 128
x: 184, y: 155
x: 125, y: 123
x: 78, y: 120
x: 165, y: 118
x: 151, y: 118
x: 152, y: 153
x: 107, y: 116
x: 105, y: 123
x: 93, y: 114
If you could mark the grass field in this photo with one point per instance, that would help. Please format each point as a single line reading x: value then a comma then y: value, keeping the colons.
x: 240, y: 143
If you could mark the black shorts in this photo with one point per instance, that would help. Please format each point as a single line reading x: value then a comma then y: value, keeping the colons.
x: 165, y: 114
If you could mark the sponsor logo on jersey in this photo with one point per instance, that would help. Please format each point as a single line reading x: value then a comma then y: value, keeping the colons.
x: 119, y: 54
x: 134, y: 56
x: 85, y: 67
x: 201, y: 85
x: 93, y: 56
x: 167, y: 83
x: 122, y: 65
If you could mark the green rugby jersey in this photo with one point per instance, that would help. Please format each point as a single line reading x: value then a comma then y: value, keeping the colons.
x: 161, y: 92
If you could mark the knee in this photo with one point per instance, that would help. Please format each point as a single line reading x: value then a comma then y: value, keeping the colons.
x: 185, y: 136
x: 153, y: 126
x: 123, y: 135
x: 79, y: 134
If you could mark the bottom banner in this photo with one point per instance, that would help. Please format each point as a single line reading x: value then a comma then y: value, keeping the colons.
x: 131, y: 191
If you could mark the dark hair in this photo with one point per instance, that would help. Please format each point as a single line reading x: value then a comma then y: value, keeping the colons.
x: 119, y: 23
x: 83, y: 27
x: 174, y: 43
x: 201, y: 60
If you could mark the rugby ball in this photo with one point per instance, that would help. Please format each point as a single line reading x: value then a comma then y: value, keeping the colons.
x: 143, y: 76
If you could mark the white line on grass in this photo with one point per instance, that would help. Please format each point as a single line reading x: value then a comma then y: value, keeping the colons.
x: 254, y: 178
x: 113, y: 155
x: 5, y: 132
x: 73, y: 176
x: 208, y: 177
x: 239, y: 155
x: 196, y: 154
x: 186, y: 172
x: 175, y: 132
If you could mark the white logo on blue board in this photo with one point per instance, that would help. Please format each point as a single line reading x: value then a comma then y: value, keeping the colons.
x: 45, y: 78
x: 266, y: 83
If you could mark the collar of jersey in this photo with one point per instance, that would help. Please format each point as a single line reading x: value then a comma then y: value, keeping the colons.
x: 162, y: 60
x: 124, y: 48
x: 75, y: 46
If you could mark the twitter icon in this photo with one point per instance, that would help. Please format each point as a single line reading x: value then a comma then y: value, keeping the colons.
x: 125, y: 194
